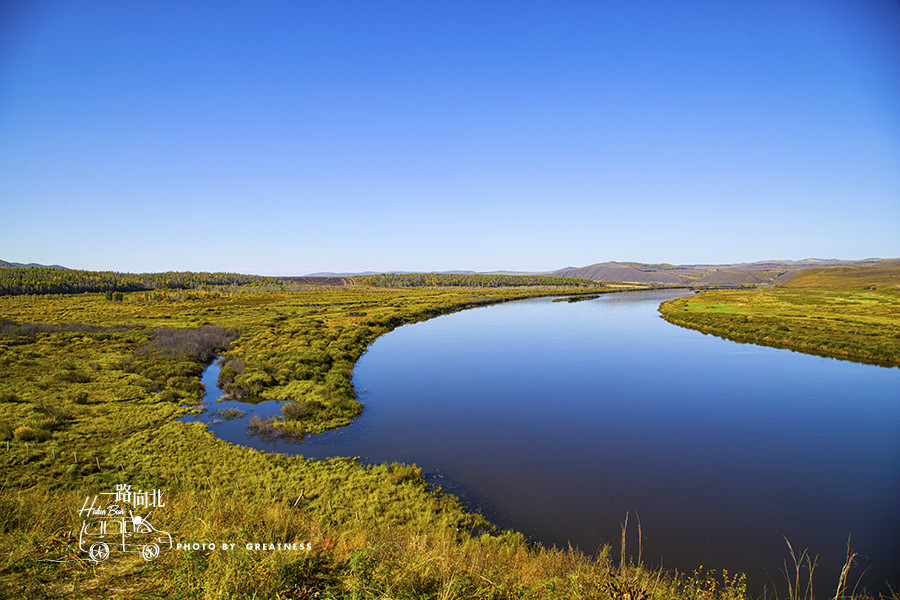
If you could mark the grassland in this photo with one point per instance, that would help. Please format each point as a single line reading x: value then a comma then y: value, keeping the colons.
x: 858, y: 318
x: 91, y: 386
x: 883, y: 276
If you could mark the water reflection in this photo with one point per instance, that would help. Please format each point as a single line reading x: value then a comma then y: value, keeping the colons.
x: 558, y: 418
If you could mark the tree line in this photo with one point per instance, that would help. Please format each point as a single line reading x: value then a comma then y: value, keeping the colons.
x: 44, y: 280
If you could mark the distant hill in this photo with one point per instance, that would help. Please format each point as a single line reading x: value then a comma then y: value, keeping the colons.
x: 15, y: 265
x: 633, y: 272
x: 756, y: 273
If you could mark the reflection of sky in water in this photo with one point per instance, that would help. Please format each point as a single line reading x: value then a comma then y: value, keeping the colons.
x: 562, y: 417
x: 232, y: 429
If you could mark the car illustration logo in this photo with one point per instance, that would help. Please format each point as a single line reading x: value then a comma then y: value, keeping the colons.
x: 100, y: 537
x: 106, y: 528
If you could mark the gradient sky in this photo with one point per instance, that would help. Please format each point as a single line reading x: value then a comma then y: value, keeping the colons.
x: 292, y: 137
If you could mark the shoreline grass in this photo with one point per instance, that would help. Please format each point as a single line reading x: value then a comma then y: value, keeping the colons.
x: 857, y: 325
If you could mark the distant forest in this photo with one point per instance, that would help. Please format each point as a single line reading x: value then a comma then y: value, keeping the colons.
x: 47, y: 280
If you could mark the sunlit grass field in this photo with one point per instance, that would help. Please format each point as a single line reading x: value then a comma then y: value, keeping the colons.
x: 858, y: 325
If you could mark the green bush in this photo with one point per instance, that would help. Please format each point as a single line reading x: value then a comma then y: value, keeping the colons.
x: 25, y: 433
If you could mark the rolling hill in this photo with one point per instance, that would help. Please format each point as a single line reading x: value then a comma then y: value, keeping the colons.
x: 14, y: 265
x: 756, y: 273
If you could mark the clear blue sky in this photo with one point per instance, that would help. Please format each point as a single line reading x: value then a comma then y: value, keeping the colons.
x: 291, y: 137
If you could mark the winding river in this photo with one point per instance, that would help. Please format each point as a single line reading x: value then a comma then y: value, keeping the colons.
x: 557, y: 419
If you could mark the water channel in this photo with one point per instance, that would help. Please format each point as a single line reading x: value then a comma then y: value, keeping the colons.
x: 556, y: 419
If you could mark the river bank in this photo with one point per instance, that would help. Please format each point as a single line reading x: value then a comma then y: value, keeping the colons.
x: 857, y: 325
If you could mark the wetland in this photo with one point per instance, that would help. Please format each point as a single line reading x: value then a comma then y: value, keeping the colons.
x: 556, y: 419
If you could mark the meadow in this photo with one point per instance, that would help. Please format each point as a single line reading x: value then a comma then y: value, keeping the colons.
x: 861, y: 325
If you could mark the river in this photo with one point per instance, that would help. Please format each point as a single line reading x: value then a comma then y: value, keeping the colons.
x: 557, y: 419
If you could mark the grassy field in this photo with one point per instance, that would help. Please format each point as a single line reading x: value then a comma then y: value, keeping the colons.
x: 862, y: 325
x: 882, y: 277
x: 91, y: 386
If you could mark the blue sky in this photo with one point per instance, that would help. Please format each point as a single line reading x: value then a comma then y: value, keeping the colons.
x: 292, y: 137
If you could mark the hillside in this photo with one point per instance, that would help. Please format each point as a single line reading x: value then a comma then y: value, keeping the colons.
x: 616, y: 271
x: 14, y: 265
x: 883, y: 276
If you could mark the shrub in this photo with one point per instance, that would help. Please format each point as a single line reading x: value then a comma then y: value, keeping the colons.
x: 261, y: 428
x: 293, y: 411
x: 257, y: 380
x: 201, y: 345
x: 24, y: 433
x: 400, y: 473
x: 72, y: 377
x: 233, y: 413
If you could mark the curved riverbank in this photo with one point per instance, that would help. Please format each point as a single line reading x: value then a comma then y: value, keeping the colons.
x: 306, y: 359
x: 860, y: 326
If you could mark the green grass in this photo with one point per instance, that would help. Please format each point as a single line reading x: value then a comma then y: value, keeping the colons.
x: 862, y: 326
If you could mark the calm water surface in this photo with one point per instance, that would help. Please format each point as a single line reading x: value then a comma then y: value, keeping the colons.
x: 557, y: 419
